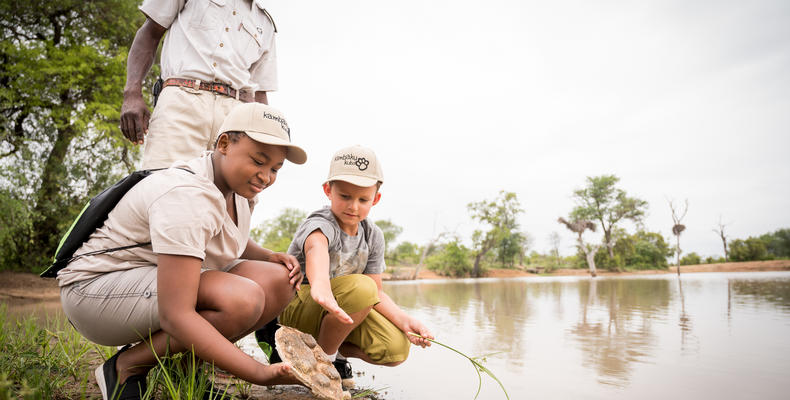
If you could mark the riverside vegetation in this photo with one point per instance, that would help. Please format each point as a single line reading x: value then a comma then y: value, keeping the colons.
x: 48, y: 359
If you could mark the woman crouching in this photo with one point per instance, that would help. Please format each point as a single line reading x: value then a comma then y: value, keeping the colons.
x: 202, y: 283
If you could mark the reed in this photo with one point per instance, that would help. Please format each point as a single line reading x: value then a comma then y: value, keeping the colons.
x: 476, y: 362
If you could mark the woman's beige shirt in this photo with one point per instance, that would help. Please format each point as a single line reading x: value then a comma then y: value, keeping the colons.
x: 178, y: 212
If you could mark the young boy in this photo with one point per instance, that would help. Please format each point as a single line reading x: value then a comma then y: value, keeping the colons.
x: 342, y: 303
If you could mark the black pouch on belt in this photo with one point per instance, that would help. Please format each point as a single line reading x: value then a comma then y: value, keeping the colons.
x: 157, y: 89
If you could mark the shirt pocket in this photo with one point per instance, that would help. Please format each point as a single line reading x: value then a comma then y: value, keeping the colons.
x: 206, y: 14
x: 251, y: 37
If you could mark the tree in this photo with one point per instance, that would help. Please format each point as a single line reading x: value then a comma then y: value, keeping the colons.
x: 579, y: 227
x: 691, y: 259
x: 277, y: 233
x: 601, y: 201
x: 751, y: 249
x: 452, y: 260
x: 555, y: 240
x: 777, y: 244
x: 678, y: 228
x: 499, y: 216
x: 390, y: 231
x: 641, y: 250
x: 405, y: 253
x: 719, y: 229
x: 61, y: 84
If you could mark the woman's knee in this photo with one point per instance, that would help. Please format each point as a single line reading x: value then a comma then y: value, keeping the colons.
x: 239, y: 301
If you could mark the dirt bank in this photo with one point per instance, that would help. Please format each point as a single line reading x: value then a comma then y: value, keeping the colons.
x: 399, y: 273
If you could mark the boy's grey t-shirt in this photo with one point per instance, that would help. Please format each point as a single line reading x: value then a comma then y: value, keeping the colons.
x: 360, y: 254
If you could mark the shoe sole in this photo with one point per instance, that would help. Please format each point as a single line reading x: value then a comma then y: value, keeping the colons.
x: 99, y: 372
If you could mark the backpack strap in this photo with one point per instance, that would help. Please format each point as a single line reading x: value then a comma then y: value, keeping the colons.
x: 81, y: 238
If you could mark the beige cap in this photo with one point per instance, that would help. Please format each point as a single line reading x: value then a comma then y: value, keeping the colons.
x: 356, y: 165
x: 263, y: 124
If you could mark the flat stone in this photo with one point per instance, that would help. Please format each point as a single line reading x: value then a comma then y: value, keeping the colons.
x: 309, y: 363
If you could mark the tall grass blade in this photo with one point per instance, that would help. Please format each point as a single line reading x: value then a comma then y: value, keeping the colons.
x: 477, y: 365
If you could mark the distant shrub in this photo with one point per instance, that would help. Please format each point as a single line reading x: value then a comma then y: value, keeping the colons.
x: 777, y: 244
x: 691, y: 259
x: 641, y: 250
x: 751, y: 249
x: 405, y: 253
x: 714, y: 260
x: 452, y: 260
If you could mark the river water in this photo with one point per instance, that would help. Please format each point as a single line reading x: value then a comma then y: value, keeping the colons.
x: 703, y: 336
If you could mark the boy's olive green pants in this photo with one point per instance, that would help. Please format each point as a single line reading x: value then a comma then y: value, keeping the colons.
x: 379, y: 338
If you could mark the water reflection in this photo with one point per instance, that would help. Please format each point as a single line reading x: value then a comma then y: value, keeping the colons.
x: 614, y: 329
x: 500, y: 310
x: 684, y: 319
x: 761, y: 292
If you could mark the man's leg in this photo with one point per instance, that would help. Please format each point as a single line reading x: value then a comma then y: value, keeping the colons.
x: 180, y: 127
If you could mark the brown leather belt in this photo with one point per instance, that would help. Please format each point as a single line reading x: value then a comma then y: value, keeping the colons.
x: 216, y: 87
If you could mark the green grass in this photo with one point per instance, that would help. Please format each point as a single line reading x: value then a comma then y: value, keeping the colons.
x: 48, y: 359
x: 477, y: 363
x: 49, y: 362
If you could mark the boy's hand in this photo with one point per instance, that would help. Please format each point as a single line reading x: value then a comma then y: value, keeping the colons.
x: 292, y: 264
x: 413, y: 325
x: 330, y: 305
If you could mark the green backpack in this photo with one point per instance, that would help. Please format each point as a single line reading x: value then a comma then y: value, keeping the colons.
x: 92, y: 217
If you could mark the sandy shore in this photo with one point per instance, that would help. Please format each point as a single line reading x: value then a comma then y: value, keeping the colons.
x: 748, y: 266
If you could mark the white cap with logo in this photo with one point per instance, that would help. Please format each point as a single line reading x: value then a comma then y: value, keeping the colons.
x: 263, y: 124
x: 356, y: 165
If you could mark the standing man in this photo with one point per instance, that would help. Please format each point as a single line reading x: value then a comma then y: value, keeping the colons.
x: 216, y: 54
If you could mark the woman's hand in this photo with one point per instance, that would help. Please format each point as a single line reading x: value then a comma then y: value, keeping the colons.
x: 290, y: 262
x: 415, y: 326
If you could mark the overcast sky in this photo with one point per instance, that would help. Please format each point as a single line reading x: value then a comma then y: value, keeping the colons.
x: 462, y: 99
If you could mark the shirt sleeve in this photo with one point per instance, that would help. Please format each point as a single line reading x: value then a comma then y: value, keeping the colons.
x: 309, y: 226
x: 163, y: 12
x: 183, y: 221
x: 264, y: 71
x: 375, y: 263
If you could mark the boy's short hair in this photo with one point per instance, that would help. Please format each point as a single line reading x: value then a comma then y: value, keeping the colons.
x: 356, y: 165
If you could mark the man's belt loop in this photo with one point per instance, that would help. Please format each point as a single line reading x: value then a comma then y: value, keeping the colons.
x: 197, y: 84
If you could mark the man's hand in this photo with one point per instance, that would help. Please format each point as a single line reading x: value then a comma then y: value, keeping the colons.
x: 134, y: 112
x: 292, y: 264
x: 134, y: 118
x: 415, y: 326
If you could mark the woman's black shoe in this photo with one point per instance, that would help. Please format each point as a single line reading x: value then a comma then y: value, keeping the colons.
x: 107, y: 378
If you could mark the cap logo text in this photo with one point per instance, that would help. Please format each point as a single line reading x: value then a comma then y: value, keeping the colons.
x: 279, y: 119
x: 349, y: 159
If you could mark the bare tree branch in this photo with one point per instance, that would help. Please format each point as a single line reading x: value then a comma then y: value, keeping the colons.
x: 719, y: 230
x: 678, y: 228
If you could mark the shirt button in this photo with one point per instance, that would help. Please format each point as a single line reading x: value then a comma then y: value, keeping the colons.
x: 220, y: 45
x: 147, y: 294
x: 234, y: 12
x: 215, y: 64
x: 227, y: 29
